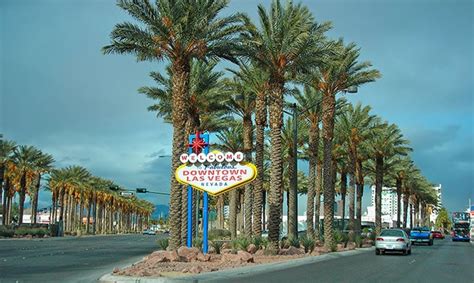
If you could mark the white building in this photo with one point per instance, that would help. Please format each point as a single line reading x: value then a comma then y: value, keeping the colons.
x: 389, y: 207
x: 435, y: 209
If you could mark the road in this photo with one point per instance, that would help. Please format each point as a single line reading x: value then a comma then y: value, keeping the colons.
x: 445, y: 261
x: 70, y: 259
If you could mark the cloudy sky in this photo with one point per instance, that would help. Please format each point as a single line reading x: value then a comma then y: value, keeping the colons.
x: 59, y: 93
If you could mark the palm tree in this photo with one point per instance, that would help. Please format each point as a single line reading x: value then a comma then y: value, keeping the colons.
x: 44, y: 164
x: 356, y: 124
x: 387, y: 141
x: 179, y: 31
x: 287, y: 42
x: 256, y: 81
x: 24, y: 158
x: 311, y: 97
x: 231, y: 139
x: 341, y: 72
x: 6, y: 150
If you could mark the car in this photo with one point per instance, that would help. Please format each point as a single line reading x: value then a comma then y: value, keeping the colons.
x: 149, y: 232
x: 437, y: 235
x: 392, y: 240
x: 460, y: 235
x: 421, y: 235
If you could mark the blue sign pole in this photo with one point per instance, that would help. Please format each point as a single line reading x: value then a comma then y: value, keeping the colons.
x: 189, y: 238
x: 205, y: 215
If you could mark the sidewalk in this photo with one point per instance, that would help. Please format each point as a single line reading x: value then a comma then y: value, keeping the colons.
x: 222, y: 276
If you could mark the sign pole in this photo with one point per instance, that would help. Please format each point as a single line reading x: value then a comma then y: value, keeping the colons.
x: 205, y: 209
x: 189, y: 238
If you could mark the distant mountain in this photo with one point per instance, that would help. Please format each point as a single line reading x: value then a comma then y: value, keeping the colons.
x: 161, y: 210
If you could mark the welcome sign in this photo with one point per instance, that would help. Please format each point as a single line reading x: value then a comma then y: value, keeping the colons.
x: 216, y: 172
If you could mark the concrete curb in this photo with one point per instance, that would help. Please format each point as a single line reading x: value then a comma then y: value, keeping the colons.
x: 235, y: 272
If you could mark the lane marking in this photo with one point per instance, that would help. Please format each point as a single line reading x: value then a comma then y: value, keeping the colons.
x: 413, y: 261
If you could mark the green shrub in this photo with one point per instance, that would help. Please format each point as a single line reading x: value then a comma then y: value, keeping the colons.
x: 284, y: 243
x: 260, y: 242
x: 22, y: 231
x: 241, y: 243
x: 308, y: 244
x: 163, y: 243
x: 293, y: 242
x: 365, y: 231
x: 333, y: 247
x: 217, y: 245
x: 341, y: 238
x: 6, y: 232
x: 197, y: 242
x: 358, y: 240
x: 218, y: 234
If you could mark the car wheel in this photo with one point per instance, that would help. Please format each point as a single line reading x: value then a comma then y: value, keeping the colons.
x: 409, y: 251
x: 377, y: 252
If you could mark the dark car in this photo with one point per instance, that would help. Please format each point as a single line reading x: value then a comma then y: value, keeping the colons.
x: 461, y: 235
x: 437, y: 235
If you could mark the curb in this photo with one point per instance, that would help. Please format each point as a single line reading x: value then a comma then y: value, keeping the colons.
x: 235, y: 272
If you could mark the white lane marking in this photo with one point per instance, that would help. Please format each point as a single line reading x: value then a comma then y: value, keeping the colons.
x: 413, y: 261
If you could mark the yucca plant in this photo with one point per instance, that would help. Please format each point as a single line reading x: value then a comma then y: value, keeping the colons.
x: 217, y: 246
x: 308, y: 244
x: 163, y: 243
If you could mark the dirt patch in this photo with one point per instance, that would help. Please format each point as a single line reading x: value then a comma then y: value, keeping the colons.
x: 151, y: 267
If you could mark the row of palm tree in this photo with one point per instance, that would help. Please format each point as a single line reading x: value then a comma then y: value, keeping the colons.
x: 287, y: 48
x: 75, y: 193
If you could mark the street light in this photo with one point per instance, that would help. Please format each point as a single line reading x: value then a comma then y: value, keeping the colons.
x: 146, y: 191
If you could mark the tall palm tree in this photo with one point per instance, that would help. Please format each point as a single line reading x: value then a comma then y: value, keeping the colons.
x: 231, y: 139
x: 24, y: 158
x: 313, y: 99
x: 356, y: 124
x: 44, y: 164
x: 178, y: 30
x: 287, y: 42
x: 342, y: 71
x: 6, y: 150
x: 256, y: 81
x: 242, y: 103
x: 387, y: 141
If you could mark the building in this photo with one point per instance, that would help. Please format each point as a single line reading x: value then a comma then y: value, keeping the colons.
x: 435, y: 209
x: 389, y: 207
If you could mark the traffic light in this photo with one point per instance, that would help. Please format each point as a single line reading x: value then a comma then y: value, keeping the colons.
x: 141, y: 190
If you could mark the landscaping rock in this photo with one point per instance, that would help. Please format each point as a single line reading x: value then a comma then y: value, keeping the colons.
x: 260, y: 252
x: 315, y: 253
x: 291, y: 251
x: 188, y: 254
x: 226, y: 251
x: 252, y: 249
x: 351, y: 246
x: 245, y: 256
x: 340, y: 247
x: 319, y: 243
x: 366, y: 245
x: 203, y: 257
x: 226, y: 245
x: 321, y: 250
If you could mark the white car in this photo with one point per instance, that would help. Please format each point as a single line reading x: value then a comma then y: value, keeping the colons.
x: 149, y: 232
x: 392, y: 240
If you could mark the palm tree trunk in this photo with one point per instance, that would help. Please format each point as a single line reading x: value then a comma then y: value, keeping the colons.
x: 264, y: 210
x: 328, y: 109
x: 351, y: 192
x: 233, y: 213
x: 378, y: 193
x: 2, y: 196
x: 5, y: 187
x: 180, y: 80
x: 405, y: 209
x: 22, y: 197
x: 399, y: 204
x: 276, y: 169
x: 360, y: 193
x: 89, y: 208
x: 290, y: 200
x: 343, y: 197
x: 34, y: 207
x: 310, y: 198
x: 248, y: 143
x: 317, y: 201
x: 258, y: 200
x: 184, y: 214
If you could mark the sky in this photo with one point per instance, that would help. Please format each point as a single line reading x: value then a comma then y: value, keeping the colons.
x: 59, y: 93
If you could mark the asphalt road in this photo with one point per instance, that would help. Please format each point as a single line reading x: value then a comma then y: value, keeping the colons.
x: 445, y: 261
x: 70, y: 259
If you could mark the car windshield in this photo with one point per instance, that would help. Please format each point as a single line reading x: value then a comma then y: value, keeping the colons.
x: 392, y: 233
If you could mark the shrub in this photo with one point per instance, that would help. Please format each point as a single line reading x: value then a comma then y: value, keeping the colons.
x: 358, y: 241
x: 197, y: 242
x: 260, y: 242
x: 241, y: 243
x: 284, y: 243
x: 6, y: 232
x: 163, y: 243
x: 308, y: 244
x: 218, y: 234
x: 217, y: 245
x: 333, y: 247
x: 341, y: 238
x: 22, y: 231
x: 293, y: 242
